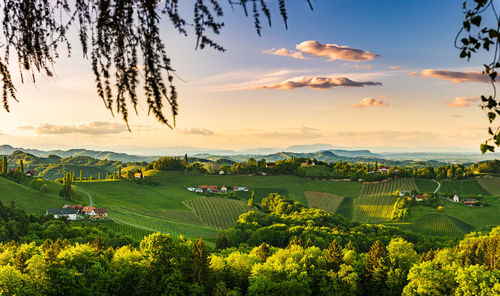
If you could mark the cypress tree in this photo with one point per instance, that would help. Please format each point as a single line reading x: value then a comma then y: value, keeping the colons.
x: 98, y: 175
x: 119, y: 172
x: 263, y: 252
x: 333, y: 256
x: 21, y: 166
x: 81, y: 178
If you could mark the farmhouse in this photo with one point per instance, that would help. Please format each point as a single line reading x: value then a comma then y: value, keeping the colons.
x: 223, y: 189
x: 383, y: 169
x: 456, y: 198
x: 192, y: 189
x: 69, y: 213
x: 419, y: 197
x: 270, y: 165
x: 240, y: 188
x: 87, y: 210
x: 138, y: 176
x: 30, y: 173
x: 99, y: 213
x: 221, y: 172
x: 471, y: 202
x: 78, y: 208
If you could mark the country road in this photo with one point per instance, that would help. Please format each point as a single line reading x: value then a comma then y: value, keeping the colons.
x: 90, y: 197
x: 439, y: 185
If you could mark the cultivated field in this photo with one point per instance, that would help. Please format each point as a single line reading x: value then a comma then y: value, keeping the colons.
x: 384, y: 188
x: 28, y: 199
x: 436, y: 224
x: 373, y: 209
x: 492, y: 185
x: 322, y: 200
x: 216, y: 212
x: 462, y: 187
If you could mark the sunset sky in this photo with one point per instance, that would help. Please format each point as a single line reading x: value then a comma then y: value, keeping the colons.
x: 373, y: 74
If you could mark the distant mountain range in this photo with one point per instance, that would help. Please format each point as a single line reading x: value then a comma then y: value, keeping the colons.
x: 109, y: 155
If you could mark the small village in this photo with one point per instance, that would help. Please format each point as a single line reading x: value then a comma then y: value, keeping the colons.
x: 78, y: 212
x: 215, y: 189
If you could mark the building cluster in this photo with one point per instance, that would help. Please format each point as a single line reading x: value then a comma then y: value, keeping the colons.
x: 76, y: 212
x: 215, y: 189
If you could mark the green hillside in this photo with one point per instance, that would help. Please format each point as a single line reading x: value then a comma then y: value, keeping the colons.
x: 28, y: 199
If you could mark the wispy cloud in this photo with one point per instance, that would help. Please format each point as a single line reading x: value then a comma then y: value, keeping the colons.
x: 356, y: 66
x: 462, y: 102
x: 395, y: 67
x: 197, y: 131
x: 90, y: 128
x: 318, y: 82
x: 453, y: 76
x: 285, y: 52
x: 370, y: 102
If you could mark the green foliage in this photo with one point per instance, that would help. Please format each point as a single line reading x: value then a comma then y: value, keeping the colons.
x: 168, y: 163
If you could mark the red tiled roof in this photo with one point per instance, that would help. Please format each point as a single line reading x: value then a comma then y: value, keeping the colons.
x: 100, y: 211
x: 88, y: 209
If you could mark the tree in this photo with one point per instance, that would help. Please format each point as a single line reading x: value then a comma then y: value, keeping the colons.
x: 333, y: 256
x: 263, y: 252
x: 66, y: 188
x: 4, y: 165
x: 200, y: 266
x: 21, y: 166
x: 474, y: 38
x: 185, y: 162
x: 250, y: 201
x: 123, y: 40
x: 81, y: 177
x: 119, y: 172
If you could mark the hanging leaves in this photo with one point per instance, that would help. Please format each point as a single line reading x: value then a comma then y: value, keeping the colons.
x: 123, y: 40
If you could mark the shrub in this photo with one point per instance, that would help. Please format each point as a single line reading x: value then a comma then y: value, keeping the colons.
x: 441, y: 208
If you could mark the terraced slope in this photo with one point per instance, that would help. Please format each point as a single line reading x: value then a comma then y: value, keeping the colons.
x: 492, y: 185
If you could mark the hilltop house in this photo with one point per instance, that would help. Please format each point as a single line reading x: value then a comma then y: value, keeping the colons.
x: 78, y: 208
x: 99, y: 213
x: 87, y: 210
x: 69, y: 213
x: 456, y: 198
x: 138, y: 176
x: 30, y: 173
x: 192, y: 189
x: 223, y: 189
x: 383, y: 169
x: 419, y: 197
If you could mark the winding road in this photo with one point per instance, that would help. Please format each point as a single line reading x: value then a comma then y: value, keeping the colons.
x: 439, y: 186
x: 90, y: 197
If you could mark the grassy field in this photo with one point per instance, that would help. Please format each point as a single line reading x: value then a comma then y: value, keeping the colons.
x: 28, y: 199
x: 425, y: 185
x: 462, y: 187
x: 492, y: 185
x: 170, y: 207
x: 322, y: 200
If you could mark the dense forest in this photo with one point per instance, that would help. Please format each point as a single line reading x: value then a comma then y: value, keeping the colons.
x: 54, y: 258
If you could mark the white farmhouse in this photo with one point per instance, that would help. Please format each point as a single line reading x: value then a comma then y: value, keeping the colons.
x: 192, y: 189
x: 69, y: 213
x: 456, y: 198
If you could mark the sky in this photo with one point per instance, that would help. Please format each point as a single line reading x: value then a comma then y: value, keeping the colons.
x: 383, y: 75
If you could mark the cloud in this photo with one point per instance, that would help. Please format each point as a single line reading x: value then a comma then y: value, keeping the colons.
x: 197, y: 131
x: 318, y: 82
x: 453, y: 76
x: 356, y: 66
x: 462, y: 102
x: 334, y: 52
x: 395, y: 67
x: 284, y: 52
x: 457, y: 115
x: 90, y: 128
x: 370, y: 102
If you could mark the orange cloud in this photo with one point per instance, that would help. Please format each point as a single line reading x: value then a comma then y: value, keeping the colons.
x: 319, y: 82
x: 356, y: 66
x: 335, y: 52
x: 395, y: 67
x: 284, y: 52
x: 370, y: 102
x: 462, y: 102
x: 456, y: 77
